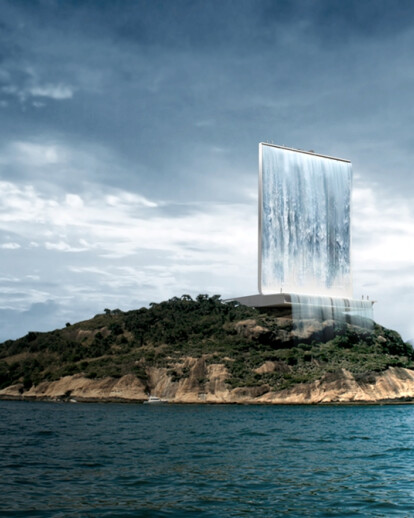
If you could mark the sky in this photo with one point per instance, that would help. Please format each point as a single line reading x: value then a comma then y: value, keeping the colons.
x: 129, y: 136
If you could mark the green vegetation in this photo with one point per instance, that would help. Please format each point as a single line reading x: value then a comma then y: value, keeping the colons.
x: 116, y: 343
x: 359, y: 351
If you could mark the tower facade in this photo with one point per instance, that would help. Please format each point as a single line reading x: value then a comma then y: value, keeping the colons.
x: 304, y: 223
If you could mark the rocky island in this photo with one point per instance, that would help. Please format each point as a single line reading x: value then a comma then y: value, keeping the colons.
x: 207, y: 351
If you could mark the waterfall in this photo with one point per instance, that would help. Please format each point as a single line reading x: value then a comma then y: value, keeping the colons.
x: 332, y: 309
x: 305, y: 223
x: 305, y: 238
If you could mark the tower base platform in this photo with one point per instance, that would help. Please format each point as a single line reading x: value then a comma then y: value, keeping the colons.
x: 287, y: 300
x: 302, y: 308
x: 278, y: 300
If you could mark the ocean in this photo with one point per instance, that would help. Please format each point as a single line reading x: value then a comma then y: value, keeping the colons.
x: 127, y: 460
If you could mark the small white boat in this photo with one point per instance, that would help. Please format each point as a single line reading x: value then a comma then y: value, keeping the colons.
x: 155, y: 399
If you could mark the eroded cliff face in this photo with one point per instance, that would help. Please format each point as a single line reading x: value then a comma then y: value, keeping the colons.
x: 205, y: 382
x: 128, y: 388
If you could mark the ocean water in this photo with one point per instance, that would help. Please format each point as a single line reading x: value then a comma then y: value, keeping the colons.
x: 84, y: 460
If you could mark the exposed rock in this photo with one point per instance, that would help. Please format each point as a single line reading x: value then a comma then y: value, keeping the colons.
x: 266, y: 367
x: 393, y: 385
x: 249, y: 328
x: 12, y: 390
x: 127, y: 388
x: 308, y: 330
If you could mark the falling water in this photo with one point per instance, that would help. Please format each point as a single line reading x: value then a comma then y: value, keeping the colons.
x: 305, y: 237
x: 305, y: 224
x: 333, y: 310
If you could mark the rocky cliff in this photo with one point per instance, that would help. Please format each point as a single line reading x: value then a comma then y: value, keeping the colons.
x: 396, y: 384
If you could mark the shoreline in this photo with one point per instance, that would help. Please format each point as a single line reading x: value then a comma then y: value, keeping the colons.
x: 128, y: 401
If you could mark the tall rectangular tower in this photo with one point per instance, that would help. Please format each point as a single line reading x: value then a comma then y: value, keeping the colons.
x: 304, y: 223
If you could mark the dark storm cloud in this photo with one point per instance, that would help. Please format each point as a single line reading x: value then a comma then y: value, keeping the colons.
x: 161, y: 84
x: 339, y: 22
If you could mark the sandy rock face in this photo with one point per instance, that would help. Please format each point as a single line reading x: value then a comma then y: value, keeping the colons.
x: 206, y: 383
x: 309, y: 330
x: 342, y: 387
x: 126, y: 388
x: 12, y: 391
x: 266, y: 367
x: 249, y: 328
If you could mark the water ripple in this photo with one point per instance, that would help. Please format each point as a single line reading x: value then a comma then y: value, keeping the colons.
x: 207, y: 461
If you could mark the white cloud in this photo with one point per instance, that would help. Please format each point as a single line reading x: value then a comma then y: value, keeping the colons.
x: 34, y: 154
x: 61, y: 246
x: 11, y: 298
x: 134, y: 251
x: 127, y: 198
x: 58, y: 91
x: 383, y: 229
x: 10, y: 246
x: 383, y: 255
x: 116, y: 230
x: 33, y: 277
x: 74, y: 201
x: 89, y: 269
x: 27, y: 83
x: 56, y: 165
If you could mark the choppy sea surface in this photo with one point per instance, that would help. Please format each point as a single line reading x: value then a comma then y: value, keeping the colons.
x: 81, y: 460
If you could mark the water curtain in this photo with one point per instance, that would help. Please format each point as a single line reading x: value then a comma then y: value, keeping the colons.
x: 334, y: 311
x: 305, y: 223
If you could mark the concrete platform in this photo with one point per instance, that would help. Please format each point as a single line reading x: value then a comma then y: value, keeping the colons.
x: 284, y: 300
x: 279, y: 300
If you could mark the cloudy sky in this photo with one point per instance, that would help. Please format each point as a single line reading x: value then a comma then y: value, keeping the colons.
x: 128, y: 146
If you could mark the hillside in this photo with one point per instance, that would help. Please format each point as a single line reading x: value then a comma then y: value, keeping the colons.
x: 205, y: 350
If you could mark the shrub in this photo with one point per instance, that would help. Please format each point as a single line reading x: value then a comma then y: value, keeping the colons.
x: 115, y: 328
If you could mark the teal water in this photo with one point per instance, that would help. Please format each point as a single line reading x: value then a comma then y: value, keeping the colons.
x: 209, y: 461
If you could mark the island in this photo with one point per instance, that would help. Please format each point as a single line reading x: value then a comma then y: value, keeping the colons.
x: 204, y: 350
